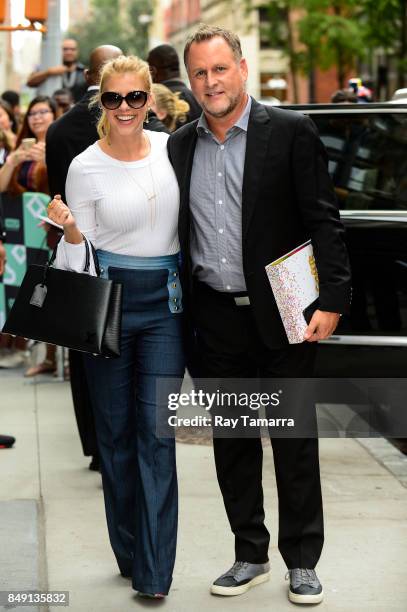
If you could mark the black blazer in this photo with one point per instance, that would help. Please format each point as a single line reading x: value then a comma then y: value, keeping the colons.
x: 287, y: 198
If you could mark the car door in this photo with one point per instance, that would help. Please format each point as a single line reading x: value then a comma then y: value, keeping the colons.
x: 367, y: 151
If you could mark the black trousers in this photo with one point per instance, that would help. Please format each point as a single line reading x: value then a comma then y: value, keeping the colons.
x: 229, y: 346
x: 82, y: 404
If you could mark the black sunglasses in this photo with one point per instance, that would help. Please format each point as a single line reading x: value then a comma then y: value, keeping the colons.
x: 112, y: 100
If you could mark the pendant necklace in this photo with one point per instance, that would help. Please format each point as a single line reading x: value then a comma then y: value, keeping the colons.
x: 151, y: 198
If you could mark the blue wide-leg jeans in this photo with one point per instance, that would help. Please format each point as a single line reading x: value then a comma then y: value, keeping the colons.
x: 138, y: 468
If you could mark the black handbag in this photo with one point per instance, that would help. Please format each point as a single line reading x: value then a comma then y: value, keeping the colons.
x: 70, y: 309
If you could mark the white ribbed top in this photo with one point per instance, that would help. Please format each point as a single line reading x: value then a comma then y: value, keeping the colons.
x: 109, y: 200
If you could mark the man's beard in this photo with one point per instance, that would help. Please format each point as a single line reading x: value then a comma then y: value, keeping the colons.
x: 223, y: 113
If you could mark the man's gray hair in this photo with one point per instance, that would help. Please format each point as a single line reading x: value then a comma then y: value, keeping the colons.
x: 207, y: 32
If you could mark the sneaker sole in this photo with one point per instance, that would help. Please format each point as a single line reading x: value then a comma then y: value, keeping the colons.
x: 239, y: 590
x: 305, y: 599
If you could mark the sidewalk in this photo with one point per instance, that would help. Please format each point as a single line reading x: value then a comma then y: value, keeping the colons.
x: 53, y: 533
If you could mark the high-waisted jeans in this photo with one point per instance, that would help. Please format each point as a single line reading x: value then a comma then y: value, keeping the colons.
x: 138, y: 468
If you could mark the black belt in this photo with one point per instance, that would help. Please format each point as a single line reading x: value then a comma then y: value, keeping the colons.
x: 241, y: 298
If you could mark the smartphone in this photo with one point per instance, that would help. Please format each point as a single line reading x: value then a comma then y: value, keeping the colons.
x: 27, y: 143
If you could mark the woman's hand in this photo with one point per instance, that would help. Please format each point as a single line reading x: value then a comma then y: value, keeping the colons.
x: 59, y: 212
x: 37, y: 152
x: 17, y: 157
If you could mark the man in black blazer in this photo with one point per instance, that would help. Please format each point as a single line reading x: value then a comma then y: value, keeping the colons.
x: 164, y: 66
x: 71, y: 134
x: 76, y: 130
x: 254, y: 185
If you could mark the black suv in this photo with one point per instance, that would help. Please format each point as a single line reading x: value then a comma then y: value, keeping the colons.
x: 367, y: 149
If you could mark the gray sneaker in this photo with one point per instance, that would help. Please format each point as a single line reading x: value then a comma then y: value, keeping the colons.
x: 305, y: 588
x: 241, y: 577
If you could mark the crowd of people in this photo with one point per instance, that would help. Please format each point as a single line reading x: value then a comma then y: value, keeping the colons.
x: 35, y: 158
x: 23, y: 142
x: 173, y: 187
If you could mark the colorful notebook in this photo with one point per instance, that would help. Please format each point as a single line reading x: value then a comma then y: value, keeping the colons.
x: 294, y: 281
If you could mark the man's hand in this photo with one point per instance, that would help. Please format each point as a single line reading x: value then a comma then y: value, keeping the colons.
x: 2, y: 258
x: 321, y: 326
x: 57, y: 70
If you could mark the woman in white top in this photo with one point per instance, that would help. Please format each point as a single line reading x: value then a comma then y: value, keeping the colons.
x: 123, y: 196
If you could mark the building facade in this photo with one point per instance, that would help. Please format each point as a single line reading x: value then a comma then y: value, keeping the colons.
x: 78, y: 11
x: 269, y: 67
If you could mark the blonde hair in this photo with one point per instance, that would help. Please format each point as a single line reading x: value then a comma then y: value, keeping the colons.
x: 170, y: 102
x: 119, y: 65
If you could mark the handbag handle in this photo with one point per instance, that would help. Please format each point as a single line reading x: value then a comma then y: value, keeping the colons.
x: 87, y: 259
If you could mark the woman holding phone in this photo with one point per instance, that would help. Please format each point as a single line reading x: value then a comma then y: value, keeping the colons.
x: 123, y: 196
x: 25, y: 168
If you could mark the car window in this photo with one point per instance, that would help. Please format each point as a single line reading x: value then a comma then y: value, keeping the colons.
x: 367, y: 159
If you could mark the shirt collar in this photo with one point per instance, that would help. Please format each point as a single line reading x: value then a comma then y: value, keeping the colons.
x: 242, y: 122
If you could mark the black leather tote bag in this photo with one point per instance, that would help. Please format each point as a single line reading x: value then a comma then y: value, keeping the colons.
x: 70, y: 309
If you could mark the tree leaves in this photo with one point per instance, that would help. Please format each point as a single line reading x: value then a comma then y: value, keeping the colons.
x: 337, y: 32
x: 108, y: 25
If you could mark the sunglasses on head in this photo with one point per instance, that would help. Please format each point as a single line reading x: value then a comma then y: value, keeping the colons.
x: 112, y: 100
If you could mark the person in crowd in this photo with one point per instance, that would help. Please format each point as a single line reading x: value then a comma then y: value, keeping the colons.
x: 344, y: 96
x: 5, y: 441
x: 25, y: 170
x: 5, y: 147
x: 8, y: 122
x: 164, y: 66
x: 123, y: 197
x: 71, y: 134
x: 70, y: 72
x: 7, y: 127
x: 168, y: 107
x: 13, y: 99
x: 2, y: 241
x: 153, y: 123
x: 63, y: 99
x: 11, y: 349
x: 254, y: 186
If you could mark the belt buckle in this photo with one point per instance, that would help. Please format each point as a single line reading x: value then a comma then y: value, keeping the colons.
x: 242, y: 300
